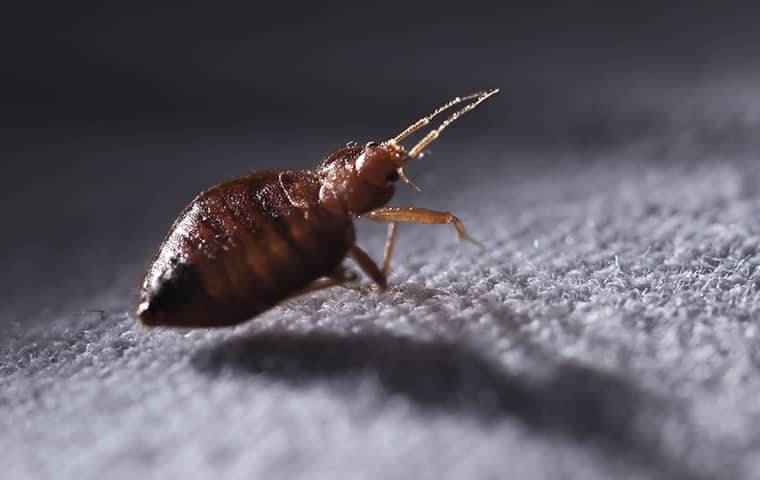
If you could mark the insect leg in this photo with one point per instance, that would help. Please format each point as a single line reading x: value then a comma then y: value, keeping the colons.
x: 390, y: 242
x: 369, y: 267
x: 421, y: 215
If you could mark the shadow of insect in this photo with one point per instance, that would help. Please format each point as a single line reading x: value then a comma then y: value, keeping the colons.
x: 575, y: 401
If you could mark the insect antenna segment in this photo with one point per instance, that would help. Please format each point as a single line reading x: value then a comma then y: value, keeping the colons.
x: 426, y: 120
x: 418, y: 150
x: 434, y: 134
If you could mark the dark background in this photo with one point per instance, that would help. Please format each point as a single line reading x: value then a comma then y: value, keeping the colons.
x: 302, y: 66
x: 113, y: 116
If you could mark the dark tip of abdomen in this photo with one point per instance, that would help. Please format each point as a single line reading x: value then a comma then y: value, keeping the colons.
x: 145, y: 314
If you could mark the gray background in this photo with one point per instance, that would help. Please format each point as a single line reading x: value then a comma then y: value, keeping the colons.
x: 608, y: 331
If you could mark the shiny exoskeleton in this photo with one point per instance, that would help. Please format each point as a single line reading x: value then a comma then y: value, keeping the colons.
x: 247, y: 244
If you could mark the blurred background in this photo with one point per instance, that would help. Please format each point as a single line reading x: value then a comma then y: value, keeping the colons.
x: 114, y: 116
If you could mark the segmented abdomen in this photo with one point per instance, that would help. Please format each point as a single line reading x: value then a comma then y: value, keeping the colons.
x: 237, y: 250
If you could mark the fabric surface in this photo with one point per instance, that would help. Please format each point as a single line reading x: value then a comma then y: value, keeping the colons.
x: 609, y: 330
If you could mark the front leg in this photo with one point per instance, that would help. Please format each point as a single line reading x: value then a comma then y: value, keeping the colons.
x: 420, y: 215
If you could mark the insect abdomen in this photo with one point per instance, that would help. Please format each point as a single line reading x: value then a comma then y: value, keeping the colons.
x: 236, y: 251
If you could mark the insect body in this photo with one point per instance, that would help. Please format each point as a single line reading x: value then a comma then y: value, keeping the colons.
x: 247, y: 244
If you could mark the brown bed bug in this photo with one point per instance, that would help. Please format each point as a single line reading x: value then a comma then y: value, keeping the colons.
x: 246, y: 245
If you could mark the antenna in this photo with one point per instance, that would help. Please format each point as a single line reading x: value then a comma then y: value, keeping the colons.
x: 426, y: 120
x: 434, y: 134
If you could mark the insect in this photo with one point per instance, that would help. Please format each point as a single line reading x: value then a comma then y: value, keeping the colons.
x: 246, y: 245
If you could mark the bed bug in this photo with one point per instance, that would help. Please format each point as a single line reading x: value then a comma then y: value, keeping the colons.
x: 246, y: 245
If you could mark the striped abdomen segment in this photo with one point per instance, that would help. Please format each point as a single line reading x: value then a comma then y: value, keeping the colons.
x: 237, y: 250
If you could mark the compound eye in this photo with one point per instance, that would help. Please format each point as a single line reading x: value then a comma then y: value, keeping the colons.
x: 393, y: 176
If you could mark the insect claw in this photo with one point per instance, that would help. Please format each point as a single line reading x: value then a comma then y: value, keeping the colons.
x: 480, y: 246
x: 407, y: 180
